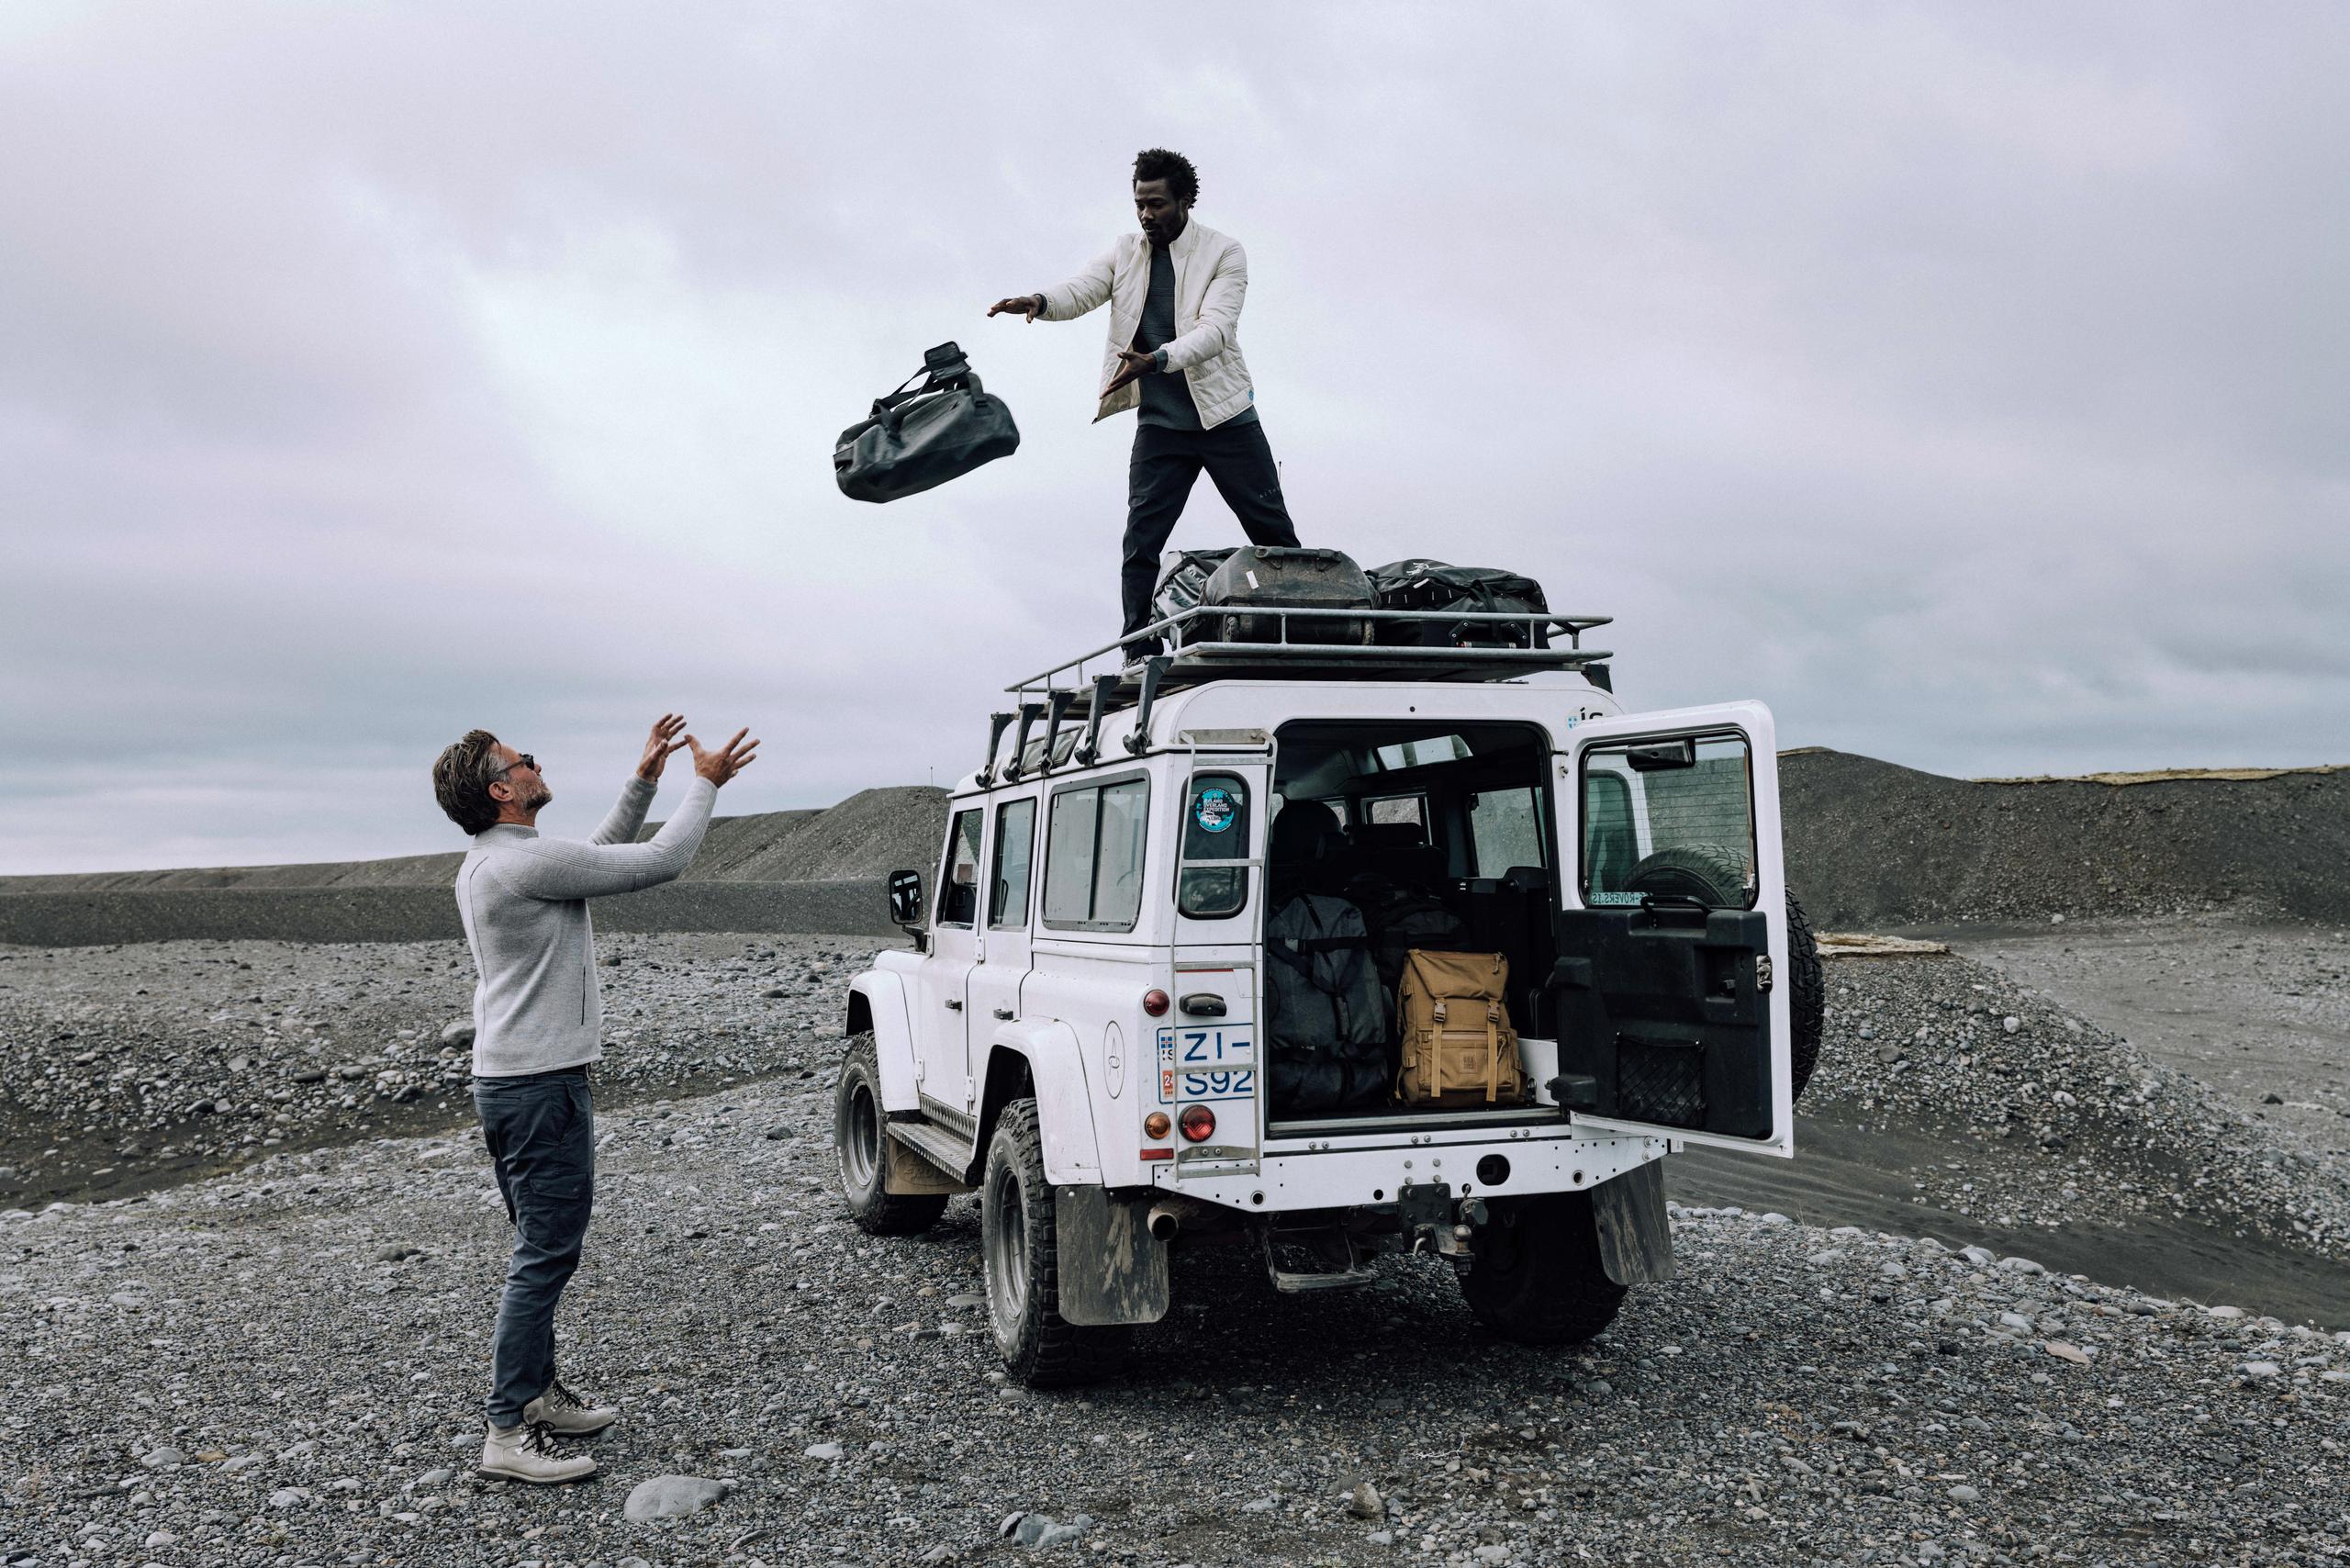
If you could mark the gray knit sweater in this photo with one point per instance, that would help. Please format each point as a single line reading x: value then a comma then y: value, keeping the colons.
x: 524, y: 902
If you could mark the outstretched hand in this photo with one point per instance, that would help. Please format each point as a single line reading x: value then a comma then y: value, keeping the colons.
x: 659, y: 745
x: 1132, y: 366
x: 1030, y: 306
x: 724, y: 763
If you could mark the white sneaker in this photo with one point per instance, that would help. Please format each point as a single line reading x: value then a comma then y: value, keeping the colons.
x: 570, y: 1415
x: 527, y: 1452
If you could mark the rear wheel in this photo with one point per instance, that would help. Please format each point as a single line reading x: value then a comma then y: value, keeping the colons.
x: 1019, y: 1254
x: 1537, y: 1277
x: 859, y: 1130
x: 1716, y: 877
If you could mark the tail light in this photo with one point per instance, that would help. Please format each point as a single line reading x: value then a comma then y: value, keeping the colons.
x: 1198, y: 1123
x: 1154, y: 1001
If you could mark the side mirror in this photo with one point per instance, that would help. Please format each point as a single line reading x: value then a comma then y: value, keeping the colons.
x: 905, y: 898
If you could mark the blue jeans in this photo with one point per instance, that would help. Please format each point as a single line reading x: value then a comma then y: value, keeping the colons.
x: 542, y: 1135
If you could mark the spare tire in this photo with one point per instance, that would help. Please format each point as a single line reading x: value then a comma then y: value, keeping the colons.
x: 1716, y: 875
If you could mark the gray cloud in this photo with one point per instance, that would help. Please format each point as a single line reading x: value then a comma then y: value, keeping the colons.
x: 1965, y: 383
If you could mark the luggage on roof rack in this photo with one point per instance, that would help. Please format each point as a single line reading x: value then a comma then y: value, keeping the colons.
x: 1183, y: 579
x: 1434, y: 587
x: 1271, y: 576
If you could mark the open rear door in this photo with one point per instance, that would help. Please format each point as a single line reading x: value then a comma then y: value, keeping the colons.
x: 1671, y: 1014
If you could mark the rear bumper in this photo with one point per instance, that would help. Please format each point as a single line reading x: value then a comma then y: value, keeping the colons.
x: 1349, y: 1172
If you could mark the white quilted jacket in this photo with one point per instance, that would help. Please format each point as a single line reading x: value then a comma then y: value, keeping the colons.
x: 1211, y: 280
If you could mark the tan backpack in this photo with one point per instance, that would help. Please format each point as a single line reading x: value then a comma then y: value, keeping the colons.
x: 1459, y: 1047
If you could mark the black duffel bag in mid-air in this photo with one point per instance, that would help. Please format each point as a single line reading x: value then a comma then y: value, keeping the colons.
x: 925, y: 436
x: 1432, y: 585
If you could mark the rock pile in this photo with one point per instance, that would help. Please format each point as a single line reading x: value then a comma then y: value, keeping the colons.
x: 1944, y: 1043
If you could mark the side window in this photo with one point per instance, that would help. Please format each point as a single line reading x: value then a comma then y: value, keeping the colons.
x: 1505, y: 827
x: 1117, y: 868
x: 1016, y: 834
x: 1399, y: 808
x: 1093, y: 856
x: 1216, y: 827
x: 1690, y: 800
x: 959, y: 890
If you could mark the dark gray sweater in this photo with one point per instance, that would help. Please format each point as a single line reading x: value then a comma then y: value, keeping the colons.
x: 524, y: 902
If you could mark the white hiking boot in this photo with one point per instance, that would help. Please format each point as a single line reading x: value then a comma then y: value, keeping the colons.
x: 528, y: 1452
x: 570, y: 1415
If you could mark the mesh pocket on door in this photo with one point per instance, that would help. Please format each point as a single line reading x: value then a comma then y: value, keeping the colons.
x: 1662, y: 1081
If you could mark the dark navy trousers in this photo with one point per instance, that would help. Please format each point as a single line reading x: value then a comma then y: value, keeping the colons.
x: 541, y: 1135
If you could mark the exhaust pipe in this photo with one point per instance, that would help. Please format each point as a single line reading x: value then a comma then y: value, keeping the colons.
x: 1164, y: 1220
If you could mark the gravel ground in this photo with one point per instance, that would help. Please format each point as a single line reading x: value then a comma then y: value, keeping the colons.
x: 1944, y: 1044
x: 123, y: 1069
x: 282, y: 1363
x: 2260, y: 1012
x: 282, y: 1366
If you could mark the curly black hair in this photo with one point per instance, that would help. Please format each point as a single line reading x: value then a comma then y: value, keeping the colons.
x: 1158, y: 164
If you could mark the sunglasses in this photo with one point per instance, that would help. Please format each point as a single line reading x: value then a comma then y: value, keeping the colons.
x: 523, y: 760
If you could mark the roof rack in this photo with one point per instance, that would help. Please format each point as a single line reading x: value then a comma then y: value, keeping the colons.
x: 1067, y: 689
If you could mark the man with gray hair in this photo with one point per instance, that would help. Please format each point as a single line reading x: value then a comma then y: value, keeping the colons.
x: 537, y: 1028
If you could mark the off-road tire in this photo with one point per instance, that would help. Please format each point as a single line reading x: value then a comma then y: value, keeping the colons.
x: 1807, y: 995
x: 860, y: 1157
x: 1537, y: 1277
x: 1019, y: 1259
x: 1716, y: 875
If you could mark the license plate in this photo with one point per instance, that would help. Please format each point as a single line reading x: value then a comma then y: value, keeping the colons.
x: 1207, y: 1064
x: 1232, y: 1084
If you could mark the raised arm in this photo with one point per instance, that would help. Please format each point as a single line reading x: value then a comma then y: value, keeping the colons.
x: 636, y: 795
x: 558, y: 868
x: 1089, y: 290
x: 552, y: 869
x: 627, y: 813
x: 1219, y: 326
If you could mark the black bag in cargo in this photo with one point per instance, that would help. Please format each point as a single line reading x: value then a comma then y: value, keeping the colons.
x: 1272, y: 577
x: 1182, y: 580
x: 1432, y: 585
x: 918, y: 439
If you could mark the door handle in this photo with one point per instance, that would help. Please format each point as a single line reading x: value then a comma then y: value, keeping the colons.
x: 954, y: 1004
x: 1005, y: 1014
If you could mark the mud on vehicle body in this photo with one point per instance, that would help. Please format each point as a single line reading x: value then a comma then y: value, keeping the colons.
x: 1080, y: 1032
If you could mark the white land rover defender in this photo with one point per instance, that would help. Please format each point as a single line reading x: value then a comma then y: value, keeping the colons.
x: 1089, y: 1029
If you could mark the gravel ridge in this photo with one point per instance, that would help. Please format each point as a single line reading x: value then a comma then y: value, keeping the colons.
x: 1872, y: 844
x: 281, y: 1366
x: 142, y: 1064
x: 2111, y: 1135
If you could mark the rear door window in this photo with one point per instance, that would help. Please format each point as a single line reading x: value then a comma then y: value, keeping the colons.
x: 1216, y: 827
x: 1671, y: 819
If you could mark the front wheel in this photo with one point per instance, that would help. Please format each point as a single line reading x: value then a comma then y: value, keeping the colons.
x: 863, y: 1157
x: 1020, y: 1256
x: 1537, y: 1277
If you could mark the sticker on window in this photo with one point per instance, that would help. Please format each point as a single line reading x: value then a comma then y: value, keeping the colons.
x: 1214, y: 810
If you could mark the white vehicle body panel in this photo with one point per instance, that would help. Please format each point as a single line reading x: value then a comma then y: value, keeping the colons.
x: 1075, y: 997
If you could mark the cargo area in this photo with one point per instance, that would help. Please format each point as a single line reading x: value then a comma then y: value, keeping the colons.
x: 1390, y: 839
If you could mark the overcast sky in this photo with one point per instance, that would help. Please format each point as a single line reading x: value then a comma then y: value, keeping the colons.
x: 1967, y: 382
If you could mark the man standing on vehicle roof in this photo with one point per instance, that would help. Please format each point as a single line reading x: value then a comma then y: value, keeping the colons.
x: 1174, y: 293
x: 537, y: 1025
